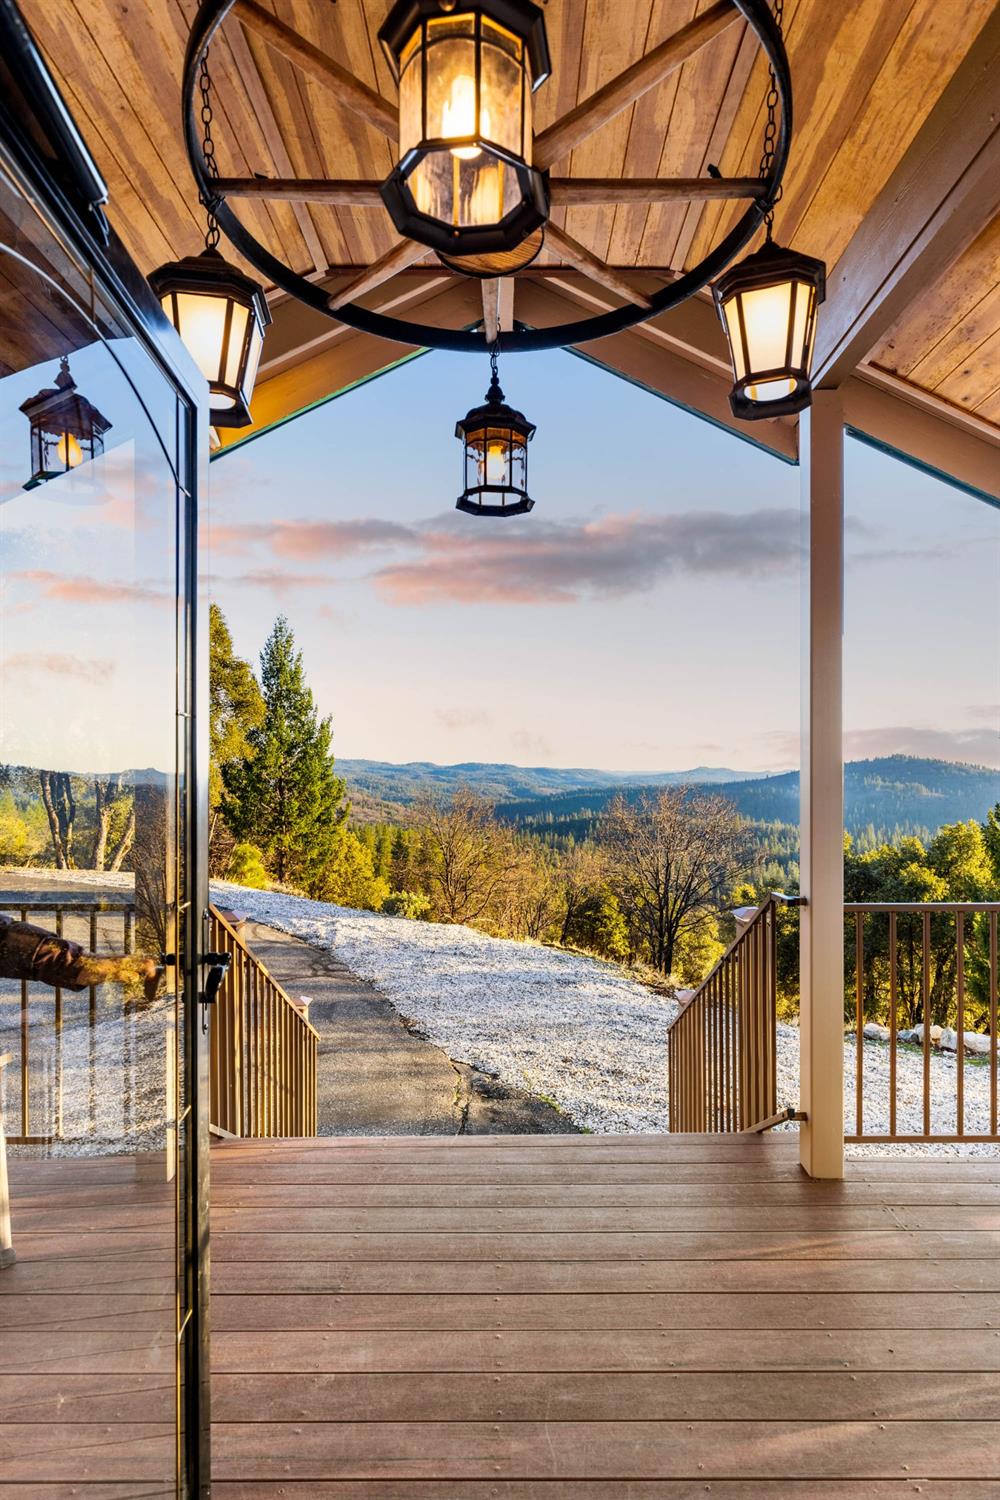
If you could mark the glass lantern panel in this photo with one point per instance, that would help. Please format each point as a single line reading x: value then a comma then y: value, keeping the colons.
x: 498, y: 456
x: 468, y: 194
x: 731, y: 313
x: 475, y: 469
x: 802, y: 294
x: 518, y: 464
x: 409, y: 95
x: 766, y: 311
x: 451, y: 81
x: 237, y: 344
x: 201, y: 323
x: 253, y: 359
x: 501, y: 88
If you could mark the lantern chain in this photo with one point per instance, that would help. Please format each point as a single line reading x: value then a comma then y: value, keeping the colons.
x: 771, y: 127
x: 212, y: 233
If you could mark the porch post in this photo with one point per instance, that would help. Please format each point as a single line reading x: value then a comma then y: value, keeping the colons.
x: 821, y: 975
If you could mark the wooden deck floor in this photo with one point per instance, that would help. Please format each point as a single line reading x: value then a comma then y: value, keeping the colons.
x: 569, y: 1318
x: 581, y: 1318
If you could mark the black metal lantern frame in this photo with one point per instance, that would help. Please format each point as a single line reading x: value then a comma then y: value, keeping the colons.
x: 414, y: 33
x: 67, y: 430
x: 210, y: 16
x: 228, y: 362
x: 795, y: 285
x: 495, y: 441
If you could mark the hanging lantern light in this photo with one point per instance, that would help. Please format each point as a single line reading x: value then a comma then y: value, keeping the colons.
x: 464, y: 183
x: 66, y: 429
x: 768, y: 305
x: 219, y: 313
x: 495, y: 438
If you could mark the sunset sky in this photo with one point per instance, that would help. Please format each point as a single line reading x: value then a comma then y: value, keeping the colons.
x: 645, y: 616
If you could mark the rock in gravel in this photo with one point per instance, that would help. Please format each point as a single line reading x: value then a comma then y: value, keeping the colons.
x: 977, y: 1043
x: 948, y: 1040
x: 917, y: 1034
x: 876, y: 1033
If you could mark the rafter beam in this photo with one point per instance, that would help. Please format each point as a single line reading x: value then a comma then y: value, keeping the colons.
x: 585, y: 260
x: 569, y: 192
x: 352, y: 192
x: 941, y: 195
x: 403, y: 253
x: 575, y: 127
x: 350, y: 91
x: 498, y: 306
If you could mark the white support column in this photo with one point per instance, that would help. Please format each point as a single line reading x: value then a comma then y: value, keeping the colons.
x: 821, y: 1067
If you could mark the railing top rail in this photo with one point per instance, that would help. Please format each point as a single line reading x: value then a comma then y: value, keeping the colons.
x: 921, y: 906
x: 230, y: 930
x: 773, y: 898
x: 47, y: 904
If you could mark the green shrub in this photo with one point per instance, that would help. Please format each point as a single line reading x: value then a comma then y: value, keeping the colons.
x: 246, y: 867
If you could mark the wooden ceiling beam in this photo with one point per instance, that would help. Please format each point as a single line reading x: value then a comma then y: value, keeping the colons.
x: 580, y: 123
x: 273, y: 138
x: 498, y: 307
x: 585, y: 260
x: 402, y: 254
x: 571, y: 192
x: 350, y: 91
x: 942, y: 194
x: 565, y: 192
x: 353, y: 192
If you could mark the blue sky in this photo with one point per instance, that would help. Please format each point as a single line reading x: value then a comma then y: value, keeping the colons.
x: 645, y: 616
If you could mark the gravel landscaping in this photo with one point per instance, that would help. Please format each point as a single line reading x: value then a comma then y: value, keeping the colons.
x: 579, y: 1031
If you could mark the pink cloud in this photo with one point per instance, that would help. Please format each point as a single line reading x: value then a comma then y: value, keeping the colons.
x: 82, y: 590
x: 57, y: 664
x: 309, y: 539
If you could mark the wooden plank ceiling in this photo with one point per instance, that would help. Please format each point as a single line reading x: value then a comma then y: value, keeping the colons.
x: 866, y: 74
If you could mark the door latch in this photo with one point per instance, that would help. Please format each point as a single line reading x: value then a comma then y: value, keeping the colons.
x: 218, y: 967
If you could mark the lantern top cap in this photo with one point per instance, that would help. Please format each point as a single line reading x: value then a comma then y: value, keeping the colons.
x: 772, y: 262
x: 61, y: 397
x: 525, y: 19
x: 494, y: 413
x: 209, y: 271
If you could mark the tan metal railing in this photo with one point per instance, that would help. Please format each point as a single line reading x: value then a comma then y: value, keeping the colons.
x: 927, y: 963
x: 263, y: 1049
x: 722, y: 1047
x: 36, y: 1092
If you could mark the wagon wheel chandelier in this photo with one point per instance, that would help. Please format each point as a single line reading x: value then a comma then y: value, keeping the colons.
x: 473, y: 185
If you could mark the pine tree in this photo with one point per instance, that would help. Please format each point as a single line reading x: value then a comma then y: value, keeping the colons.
x: 235, y: 708
x: 285, y: 797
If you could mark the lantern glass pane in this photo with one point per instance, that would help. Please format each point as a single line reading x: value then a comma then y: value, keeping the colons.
x: 518, y: 463
x: 475, y: 444
x: 410, y: 121
x: 498, y: 456
x: 236, y: 345
x: 766, y: 312
x: 253, y: 360
x: 800, y: 319
x: 201, y: 323
x: 731, y: 313
x: 451, y: 80
x: 467, y: 194
x: 501, y: 88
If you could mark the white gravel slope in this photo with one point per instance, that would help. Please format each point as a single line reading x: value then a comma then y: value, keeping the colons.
x: 574, y: 1029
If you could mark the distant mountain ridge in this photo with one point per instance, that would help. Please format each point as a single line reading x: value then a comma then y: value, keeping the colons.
x: 403, y: 782
x: 904, y: 792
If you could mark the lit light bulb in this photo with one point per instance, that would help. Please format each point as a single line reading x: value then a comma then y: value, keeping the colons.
x: 68, y: 451
x: 496, y: 463
x: 458, y: 116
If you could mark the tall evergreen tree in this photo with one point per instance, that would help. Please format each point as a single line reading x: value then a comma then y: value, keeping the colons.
x: 285, y: 797
x: 235, y: 708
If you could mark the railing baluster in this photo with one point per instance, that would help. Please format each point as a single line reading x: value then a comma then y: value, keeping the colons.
x: 960, y: 1023
x: 893, y: 1002
x: 859, y: 1021
x: 993, y: 1022
x: 925, y: 993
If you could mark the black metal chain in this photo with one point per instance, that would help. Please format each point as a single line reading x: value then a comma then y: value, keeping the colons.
x: 212, y: 232
x: 494, y: 359
x: 771, y: 128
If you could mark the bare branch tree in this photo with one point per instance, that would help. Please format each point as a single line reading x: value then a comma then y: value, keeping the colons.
x: 675, y: 858
x: 467, y: 854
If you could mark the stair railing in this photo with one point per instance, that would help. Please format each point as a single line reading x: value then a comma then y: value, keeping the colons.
x: 722, y: 1045
x: 263, y: 1048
